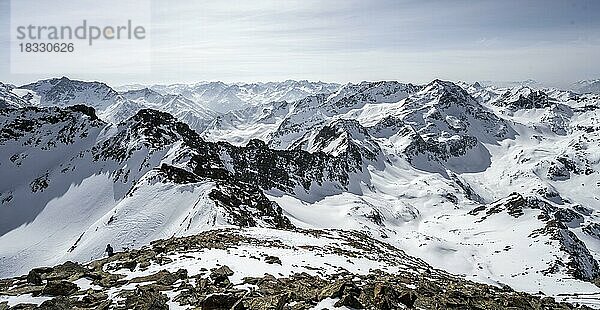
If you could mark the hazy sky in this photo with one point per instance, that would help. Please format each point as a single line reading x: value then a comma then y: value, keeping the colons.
x: 552, y: 41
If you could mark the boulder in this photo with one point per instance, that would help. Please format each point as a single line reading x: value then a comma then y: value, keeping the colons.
x: 338, y: 289
x: 220, y: 276
x: 266, y: 302
x: 386, y: 297
x: 59, y: 288
x: 94, y: 298
x: 272, y: 260
x: 69, y: 271
x: 349, y: 301
x: 146, y: 297
x: 34, y: 278
x: 221, y: 301
x: 58, y: 303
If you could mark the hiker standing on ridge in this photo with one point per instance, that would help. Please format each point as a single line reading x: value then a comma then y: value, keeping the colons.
x: 109, y: 250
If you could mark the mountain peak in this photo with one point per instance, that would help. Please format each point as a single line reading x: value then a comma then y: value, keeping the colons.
x: 448, y: 93
x: 65, y: 92
x: 524, y: 97
x: 446, y: 85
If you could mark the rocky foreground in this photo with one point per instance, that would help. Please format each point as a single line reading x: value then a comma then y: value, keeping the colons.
x: 259, y: 269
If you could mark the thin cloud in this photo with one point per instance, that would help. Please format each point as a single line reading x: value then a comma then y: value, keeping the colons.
x: 336, y: 40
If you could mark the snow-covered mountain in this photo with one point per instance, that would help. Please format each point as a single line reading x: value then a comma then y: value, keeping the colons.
x: 495, y: 185
x: 587, y: 86
x: 283, y: 122
x: 510, y: 84
x: 13, y: 97
x: 110, y: 105
x: 66, y: 92
x: 72, y: 164
x: 223, y: 98
x: 195, y: 104
x: 196, y: 116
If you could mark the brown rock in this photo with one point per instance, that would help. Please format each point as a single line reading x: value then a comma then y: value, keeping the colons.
x: 34, y: 278
x: 272, y: 260
x: 59, y: 288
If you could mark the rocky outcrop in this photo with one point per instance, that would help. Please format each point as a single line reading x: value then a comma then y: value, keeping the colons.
x: 30, y: 125
x: 420, y: 288
x: 524, y: 98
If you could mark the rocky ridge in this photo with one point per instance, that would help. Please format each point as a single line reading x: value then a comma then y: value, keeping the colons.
x: 171, y: 273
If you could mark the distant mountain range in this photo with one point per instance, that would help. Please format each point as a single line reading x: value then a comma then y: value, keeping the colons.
x: 221, y: 97
x: 587, y: 86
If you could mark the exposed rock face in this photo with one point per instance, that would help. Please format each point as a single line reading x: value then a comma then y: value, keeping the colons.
x: 254, y: 164
x: 524, y: 98
x: 280, y: 169
x: 66, y: 124
x: 456, y: 147
x: 244, y: 201
x: 349, y: 140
